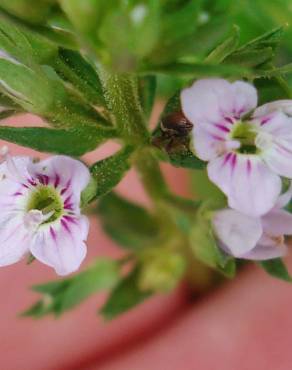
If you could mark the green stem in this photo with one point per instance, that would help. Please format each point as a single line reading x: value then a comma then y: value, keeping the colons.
x: 150, y: 175
x: 121, y: 95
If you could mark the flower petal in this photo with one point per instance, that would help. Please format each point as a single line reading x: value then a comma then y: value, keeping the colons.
x: 279, y: 157
x: 284, y: 198
x: 284, y: 105
x: 251, y: 187
x: 15, y: 169
x: 238, y: 232
x: 14, y: 239
x: 211, y: 100
x: 68, y: 171
x: 277, y: 222
x: 206, y: 100
x: 62, y: 246
x: 207, y: 145
x: 244, y: 97
x: 262, y: 252
x: 275, y: 123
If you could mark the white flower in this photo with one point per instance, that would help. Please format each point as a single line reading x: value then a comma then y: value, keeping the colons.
x: 39, y: 211
x: 246, y: 155
x: 255, y: 238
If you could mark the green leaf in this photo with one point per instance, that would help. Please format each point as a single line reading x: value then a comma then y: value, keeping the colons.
x: 251, y: 58
x: 124, y: 297
x: 225, y: 48
x: 33, y: 88
x: 258, y: 51
x: 180, y: 155
x: 74, y: 68
x: 69, y: 142
x: 147, y: 90
x: 204, y: 189
x: 172, y: 105
x: 109, y: 172
x: 268, y: 39
x: 64, y: 295
x: 186, y: 159
x: 276, y: 268
x: 103, y: 276
x: 205, y: 248
x: 24, y: 44
x: 129, y: 224
x: 199, y: 40
x: 37, y: 310
x: 199, y: 70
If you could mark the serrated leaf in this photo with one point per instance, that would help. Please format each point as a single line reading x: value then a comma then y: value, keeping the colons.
x: 69, y: 142
x: 124, y: 297
x: 109, y: 172
x: 129, y: 224
x: 276, y: 268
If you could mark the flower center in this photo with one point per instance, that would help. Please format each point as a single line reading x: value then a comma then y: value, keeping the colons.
x: 47, y: 200
x: 244, y: 133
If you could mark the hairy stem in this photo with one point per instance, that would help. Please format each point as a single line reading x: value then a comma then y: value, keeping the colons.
x: 121, y: 93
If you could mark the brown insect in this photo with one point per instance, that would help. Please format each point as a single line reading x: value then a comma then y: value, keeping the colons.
x: 176, y: 124
x: 175, y: 129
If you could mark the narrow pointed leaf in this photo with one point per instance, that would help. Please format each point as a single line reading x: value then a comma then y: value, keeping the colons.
x: 69, y: 142
x: 276, y: 268
x: 124, y: 297
x: 109, y: 172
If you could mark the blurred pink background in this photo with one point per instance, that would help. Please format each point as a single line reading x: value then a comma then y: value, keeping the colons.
x: 245, y: 324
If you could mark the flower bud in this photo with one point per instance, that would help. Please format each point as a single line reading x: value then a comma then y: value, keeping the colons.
x: 161, y: 270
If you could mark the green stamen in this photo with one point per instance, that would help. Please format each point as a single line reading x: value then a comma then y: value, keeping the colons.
x: 245, y: 134
x: 46, y: 199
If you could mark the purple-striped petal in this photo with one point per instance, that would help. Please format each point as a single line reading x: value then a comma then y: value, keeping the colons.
x: 63, y: 171
x: 14, y: 239
x: 214, y: 100
x: 250, y: 186
x: 284, y: 106
x: 61, y: 245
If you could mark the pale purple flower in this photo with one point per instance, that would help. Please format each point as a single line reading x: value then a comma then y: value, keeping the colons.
x: 40, y: 212
x: 254, y: 238
x: 247, y: 152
